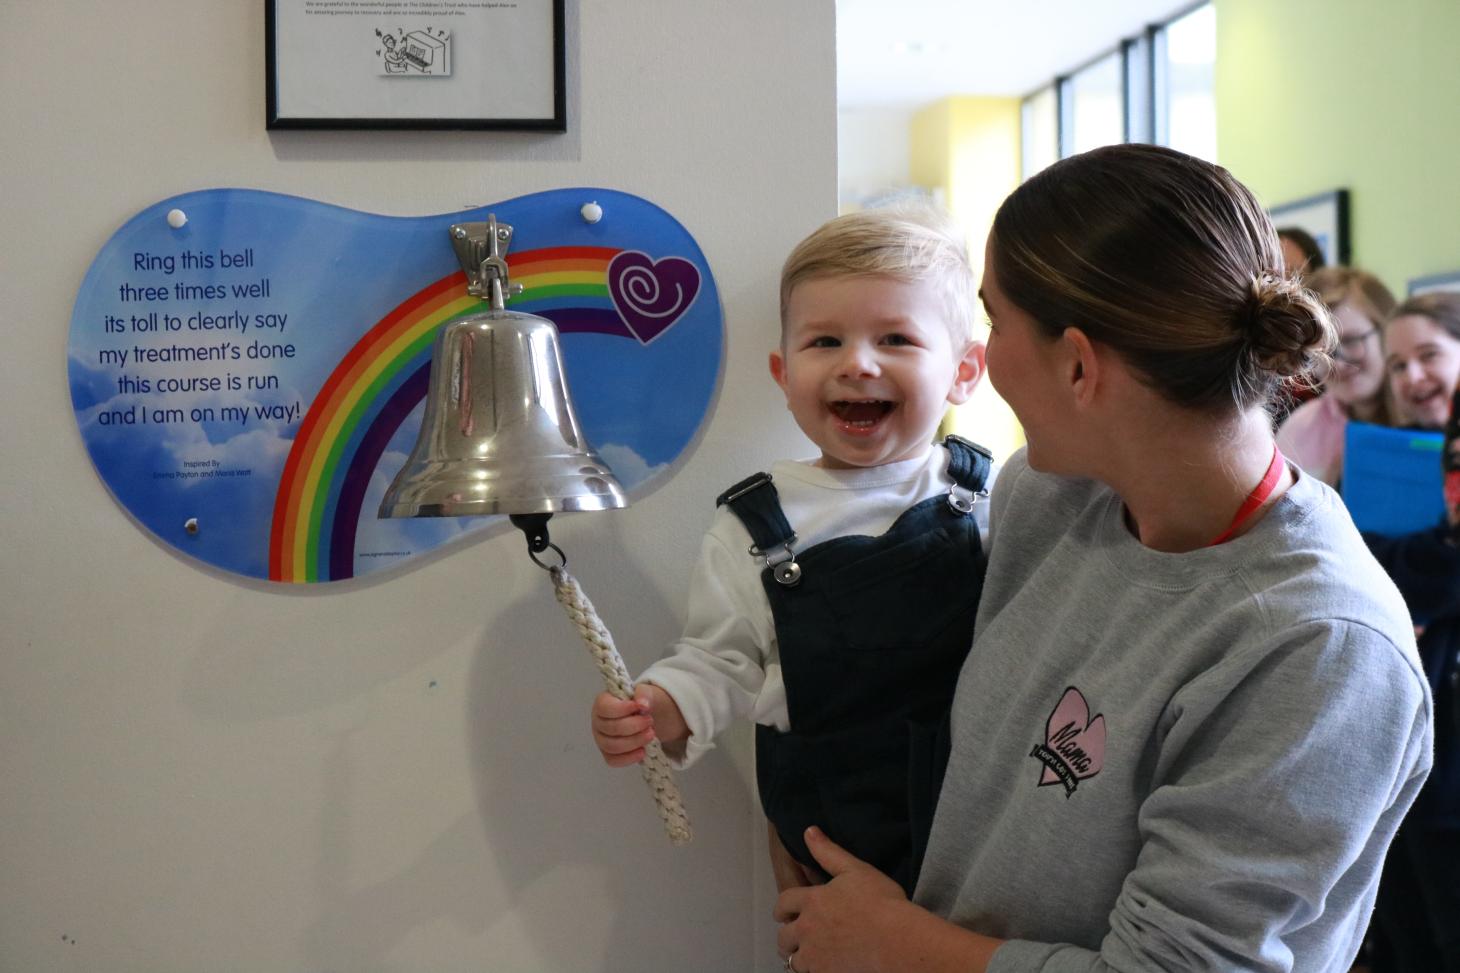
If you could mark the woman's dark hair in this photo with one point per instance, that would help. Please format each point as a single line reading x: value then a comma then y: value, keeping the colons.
x: 1170, y: 261
x: 1303, y: 240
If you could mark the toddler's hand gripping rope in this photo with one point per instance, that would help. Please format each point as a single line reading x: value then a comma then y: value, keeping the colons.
x: 616, y: 676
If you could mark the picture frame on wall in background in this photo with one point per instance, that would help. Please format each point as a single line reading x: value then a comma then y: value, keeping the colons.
x: 336, y: 64
x: 1434, y: 282
x: 1325, y: 216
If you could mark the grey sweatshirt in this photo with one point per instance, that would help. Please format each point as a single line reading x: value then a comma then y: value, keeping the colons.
x: 1176, y: 761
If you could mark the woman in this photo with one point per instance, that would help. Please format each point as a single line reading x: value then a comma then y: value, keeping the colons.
x: 1313, y: 435
x: 1301, y: 257
x: 1193, y: 714
x: 1419, y: 898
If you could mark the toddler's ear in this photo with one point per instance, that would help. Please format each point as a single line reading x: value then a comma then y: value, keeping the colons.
x: 778, y: 369
x: 970, y: 370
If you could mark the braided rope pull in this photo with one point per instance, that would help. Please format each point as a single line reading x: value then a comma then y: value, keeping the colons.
x: 615, y: 674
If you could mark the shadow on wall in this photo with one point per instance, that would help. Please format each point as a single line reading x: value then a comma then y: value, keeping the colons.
x: 564, y: 865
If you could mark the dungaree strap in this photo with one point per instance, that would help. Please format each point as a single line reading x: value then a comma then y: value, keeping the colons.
x: 755, y: 501
x: 968, y: 463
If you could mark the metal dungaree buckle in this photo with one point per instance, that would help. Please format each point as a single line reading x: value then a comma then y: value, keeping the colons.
x: 961, y: 498
x: 782, y: 562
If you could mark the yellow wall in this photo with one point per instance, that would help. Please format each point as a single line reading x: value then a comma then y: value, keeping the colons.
x: 969, y: 149
x: 1315, y: 95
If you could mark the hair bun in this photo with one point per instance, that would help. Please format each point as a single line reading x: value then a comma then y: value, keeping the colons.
x: 1287, y: 328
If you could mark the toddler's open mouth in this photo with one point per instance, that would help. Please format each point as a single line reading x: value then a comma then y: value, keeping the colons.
x: 861, y: 414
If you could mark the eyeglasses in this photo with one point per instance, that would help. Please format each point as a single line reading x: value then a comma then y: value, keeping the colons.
x: 1352, y: 348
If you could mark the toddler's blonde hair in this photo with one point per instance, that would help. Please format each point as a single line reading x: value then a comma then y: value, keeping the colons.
x: 907, y: 242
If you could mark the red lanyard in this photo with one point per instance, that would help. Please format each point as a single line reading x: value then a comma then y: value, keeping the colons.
x: 1256, y: 498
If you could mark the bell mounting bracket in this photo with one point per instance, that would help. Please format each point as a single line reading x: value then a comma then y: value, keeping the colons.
x: 482, y: 250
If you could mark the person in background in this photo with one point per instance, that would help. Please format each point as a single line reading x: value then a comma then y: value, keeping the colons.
x: 1417, y: 915
x: 1301, y: 256
x: 1193, y: 714
x: 1313, y: 434
x: 1301, y: 253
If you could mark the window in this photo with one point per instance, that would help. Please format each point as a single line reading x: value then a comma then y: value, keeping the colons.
x: 1156, y: 87
x: 1095, y: 96
x: 1190, y: 102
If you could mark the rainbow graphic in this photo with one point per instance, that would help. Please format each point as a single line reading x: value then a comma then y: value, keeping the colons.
x: 383, y: 378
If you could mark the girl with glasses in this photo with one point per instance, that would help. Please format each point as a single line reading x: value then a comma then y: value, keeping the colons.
x: 1312, y: 436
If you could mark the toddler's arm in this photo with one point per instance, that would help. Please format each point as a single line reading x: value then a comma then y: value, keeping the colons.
x: 623, y: 727
x: 714, y: 673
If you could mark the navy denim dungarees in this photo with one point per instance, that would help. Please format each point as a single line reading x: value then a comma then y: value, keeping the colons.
x: 872, y: 633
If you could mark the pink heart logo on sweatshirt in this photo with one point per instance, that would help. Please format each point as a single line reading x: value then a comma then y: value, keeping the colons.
x: 1074, y: 744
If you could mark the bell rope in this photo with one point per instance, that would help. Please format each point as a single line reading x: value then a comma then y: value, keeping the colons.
x: 611, y: 666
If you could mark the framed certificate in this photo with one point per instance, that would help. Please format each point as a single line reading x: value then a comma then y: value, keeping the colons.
x: 415, y: 64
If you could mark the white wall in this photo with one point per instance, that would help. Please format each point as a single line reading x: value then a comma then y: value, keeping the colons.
x: 198, y: 773
x: 873, y: 147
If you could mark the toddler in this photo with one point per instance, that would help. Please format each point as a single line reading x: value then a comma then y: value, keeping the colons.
x: 833, y: 600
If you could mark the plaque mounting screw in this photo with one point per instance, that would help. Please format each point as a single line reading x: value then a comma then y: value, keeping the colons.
x: 591, y: 212
x: 176, y: 219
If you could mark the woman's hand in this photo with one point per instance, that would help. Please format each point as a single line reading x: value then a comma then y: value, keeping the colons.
x: 788, y: 872
x: 837, y: 927
x: 861, y: 922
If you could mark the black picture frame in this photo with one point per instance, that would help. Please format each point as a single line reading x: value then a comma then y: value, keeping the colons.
x: 555, y: 120
x: 1325, y: 217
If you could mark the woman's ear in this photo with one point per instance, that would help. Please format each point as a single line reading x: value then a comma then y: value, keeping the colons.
x: 1083, y: 369
x: 966, y: 377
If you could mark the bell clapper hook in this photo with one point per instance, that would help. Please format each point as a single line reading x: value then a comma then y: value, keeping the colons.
x: 534, y: 528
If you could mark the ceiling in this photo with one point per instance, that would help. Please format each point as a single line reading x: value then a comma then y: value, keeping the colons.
x: 916, y: 51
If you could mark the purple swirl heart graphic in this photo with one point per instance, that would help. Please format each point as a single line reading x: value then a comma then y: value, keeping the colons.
x: 651, y: 295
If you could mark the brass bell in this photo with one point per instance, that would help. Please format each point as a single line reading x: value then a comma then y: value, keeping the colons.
x: 499, y: 435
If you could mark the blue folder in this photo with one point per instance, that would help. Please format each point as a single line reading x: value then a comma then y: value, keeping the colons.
x: 1392, y: 481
